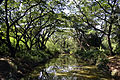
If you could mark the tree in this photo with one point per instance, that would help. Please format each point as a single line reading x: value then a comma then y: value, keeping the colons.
x: 63, y: 40
x: 99, y: 15
x: 29, y: 22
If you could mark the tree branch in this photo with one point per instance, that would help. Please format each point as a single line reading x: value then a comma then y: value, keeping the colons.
x: 23, y: 14
x: 103, y: 8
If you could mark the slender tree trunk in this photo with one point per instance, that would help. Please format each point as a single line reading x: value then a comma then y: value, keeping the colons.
x: 109, y: 40
x: 28, y: 48
x: 110, y: 46
x: 12, y: 51
x: 17, y: 46
x: 43, y: 47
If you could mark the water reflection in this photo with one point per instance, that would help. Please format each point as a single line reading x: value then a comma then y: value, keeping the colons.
x: 68, y: 67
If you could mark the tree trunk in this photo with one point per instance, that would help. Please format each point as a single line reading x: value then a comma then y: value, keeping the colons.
x: 109, y: 40
x: 13, y: 52
x: 110, y: 46
x: 11, y: 49
x: 42, y: 47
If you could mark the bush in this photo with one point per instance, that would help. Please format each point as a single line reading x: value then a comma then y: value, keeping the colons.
x: 33, y: 55
x: 4, y: 50
x: 93, y: 56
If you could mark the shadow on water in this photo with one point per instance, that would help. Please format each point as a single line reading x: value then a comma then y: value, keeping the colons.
x: 67, y: 67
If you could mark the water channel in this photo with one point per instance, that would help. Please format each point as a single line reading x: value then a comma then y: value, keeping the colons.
x: 67, y: 67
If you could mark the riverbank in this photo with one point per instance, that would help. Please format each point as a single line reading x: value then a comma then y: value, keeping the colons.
x: 16, y: 68
x: 19, y: 68
x: 114, y: 66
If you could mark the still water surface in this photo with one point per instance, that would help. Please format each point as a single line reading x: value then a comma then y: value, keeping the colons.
x: 67, y: 67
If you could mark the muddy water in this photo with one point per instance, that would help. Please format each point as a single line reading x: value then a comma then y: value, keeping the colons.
x: 67, y: 67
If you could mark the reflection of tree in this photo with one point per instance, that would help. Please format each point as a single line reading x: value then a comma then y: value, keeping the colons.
x: 62, y: 65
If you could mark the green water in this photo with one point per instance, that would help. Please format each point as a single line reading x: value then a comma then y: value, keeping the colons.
x: 67, y: 67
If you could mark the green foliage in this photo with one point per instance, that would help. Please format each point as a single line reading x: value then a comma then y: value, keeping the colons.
x: 33, y: 56
x: 93, y: 56
x: 53, y: 48
x: 99, y: 16
x: 3, y: 50
x: 62, y: 41
x: 35, y: 30
x: 29, y: 23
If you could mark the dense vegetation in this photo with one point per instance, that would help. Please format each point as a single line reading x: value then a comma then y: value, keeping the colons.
x: 36, y: 30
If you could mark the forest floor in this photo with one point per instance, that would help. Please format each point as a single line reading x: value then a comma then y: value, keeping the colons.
x: 114, y: 66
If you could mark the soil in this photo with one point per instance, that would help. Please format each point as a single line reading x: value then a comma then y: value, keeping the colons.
x: 114, y: 66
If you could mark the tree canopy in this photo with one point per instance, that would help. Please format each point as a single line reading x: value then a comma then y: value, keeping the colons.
x: 29, y: 24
